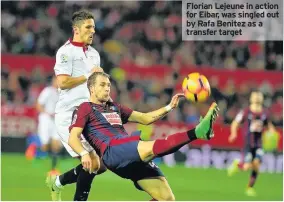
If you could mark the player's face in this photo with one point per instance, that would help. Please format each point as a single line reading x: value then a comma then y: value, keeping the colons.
x: 256, y: 98
x: 101, y: 88
x: 86, y: 31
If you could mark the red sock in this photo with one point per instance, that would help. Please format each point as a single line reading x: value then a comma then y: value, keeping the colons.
x: 173, y: 143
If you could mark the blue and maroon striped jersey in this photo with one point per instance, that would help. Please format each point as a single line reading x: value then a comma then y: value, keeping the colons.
x: 254, y: 126
x: 101, y: 123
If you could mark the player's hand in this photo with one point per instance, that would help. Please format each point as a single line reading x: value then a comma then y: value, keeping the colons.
x: 97, y: 69
x: 175, y: 100
x: 232, y: 138
x: 87, y: 163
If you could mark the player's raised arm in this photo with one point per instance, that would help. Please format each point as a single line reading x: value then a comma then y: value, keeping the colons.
x: 151, y: 117
x: 235, y: 125
x: 234, y: 129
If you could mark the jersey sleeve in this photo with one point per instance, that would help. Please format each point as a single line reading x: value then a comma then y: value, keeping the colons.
x: 63, y: 63
x: 80, y: 116
x: 240, y: 116
x: 43, y: 96
x: 125, y: 113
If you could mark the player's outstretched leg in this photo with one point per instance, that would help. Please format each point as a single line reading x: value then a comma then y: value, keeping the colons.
x: 161, y: 147
x: 204, y: 129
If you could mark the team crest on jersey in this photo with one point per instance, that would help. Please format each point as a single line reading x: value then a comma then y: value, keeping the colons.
x: 63, y: 58
x: 113, y: 118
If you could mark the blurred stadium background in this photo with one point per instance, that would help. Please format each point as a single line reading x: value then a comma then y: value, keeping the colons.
x: 140, y: 46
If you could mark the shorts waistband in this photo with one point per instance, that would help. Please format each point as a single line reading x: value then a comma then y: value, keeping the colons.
x: 115, y: 142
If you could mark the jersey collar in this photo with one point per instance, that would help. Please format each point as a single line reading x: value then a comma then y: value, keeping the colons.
x: 78, y: 44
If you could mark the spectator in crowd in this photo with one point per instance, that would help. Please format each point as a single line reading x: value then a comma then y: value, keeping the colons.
x: 144, y: 33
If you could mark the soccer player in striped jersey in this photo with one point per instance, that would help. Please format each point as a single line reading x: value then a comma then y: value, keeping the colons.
x: 101, y: 123
x: 255, y: 119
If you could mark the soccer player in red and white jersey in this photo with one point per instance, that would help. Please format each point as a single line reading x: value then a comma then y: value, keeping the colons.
x: 46, y: 127
x: 255, y: 119
x: 76, y: 60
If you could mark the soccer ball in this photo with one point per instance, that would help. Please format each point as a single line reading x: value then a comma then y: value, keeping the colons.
x: 196, y: 87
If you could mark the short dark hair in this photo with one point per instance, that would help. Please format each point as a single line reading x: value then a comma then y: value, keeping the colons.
x: 81, y: 15
x: 92, y: 79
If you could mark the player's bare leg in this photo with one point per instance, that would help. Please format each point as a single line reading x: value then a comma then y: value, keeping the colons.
x: 246, y: 166
x: 158, y: 188
x: 161, y: 147
x: 44, y: 147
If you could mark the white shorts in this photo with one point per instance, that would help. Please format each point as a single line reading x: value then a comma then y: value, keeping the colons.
x: 46, y: 129
x: 63, y: 121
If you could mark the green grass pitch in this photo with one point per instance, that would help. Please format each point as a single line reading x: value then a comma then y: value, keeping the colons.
x: 25, y: 180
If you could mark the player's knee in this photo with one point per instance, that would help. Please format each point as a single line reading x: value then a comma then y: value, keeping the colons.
x: 171, y: 197
x: 55, y: 146
x: 256, y: 161
x: 256, y: 164
x: 55, y: 149
x: 246, y: 166
x: 145, y: 150
x: 167, y: 196
x: 44, y: 148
